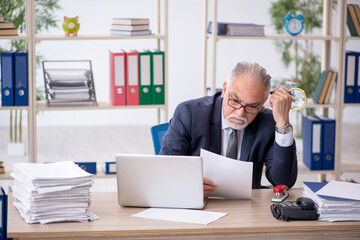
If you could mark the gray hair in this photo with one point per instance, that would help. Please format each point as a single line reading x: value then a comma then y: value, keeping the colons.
x: 252, y: 71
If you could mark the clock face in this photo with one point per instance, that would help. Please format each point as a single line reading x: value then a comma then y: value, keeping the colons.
x: 294, y: 25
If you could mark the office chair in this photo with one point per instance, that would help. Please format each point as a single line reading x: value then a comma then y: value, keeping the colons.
x: 157, y: 133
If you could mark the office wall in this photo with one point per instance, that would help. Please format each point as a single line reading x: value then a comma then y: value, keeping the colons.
x: 185, y: 52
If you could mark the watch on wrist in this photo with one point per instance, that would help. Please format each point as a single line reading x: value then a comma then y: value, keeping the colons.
x: 288, y: 128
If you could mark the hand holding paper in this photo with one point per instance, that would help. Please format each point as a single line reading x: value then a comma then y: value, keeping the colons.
x: 233, y: 178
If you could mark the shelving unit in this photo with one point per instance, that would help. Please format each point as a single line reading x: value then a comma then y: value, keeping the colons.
x: 210, y: 42
x: 161, y: 35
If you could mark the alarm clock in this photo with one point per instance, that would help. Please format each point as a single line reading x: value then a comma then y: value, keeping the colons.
x: 294, y: 25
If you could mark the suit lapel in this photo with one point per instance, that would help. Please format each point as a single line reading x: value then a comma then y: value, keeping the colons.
x: 215, y: 124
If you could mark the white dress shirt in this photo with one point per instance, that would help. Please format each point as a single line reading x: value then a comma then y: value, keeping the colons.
x: 284, y: 140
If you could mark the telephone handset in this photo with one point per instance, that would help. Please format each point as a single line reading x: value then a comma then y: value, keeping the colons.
x: 302, y: 209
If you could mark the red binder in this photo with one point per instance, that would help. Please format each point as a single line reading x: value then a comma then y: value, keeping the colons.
x: 118, y: 78
x: 132, y: 78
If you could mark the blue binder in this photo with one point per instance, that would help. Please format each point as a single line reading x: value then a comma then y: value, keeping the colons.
x: 89, y: 167
x: 21, y: 79
x: 328, y: 143
x: 311, y: 127
x: 357, y: 77
x: 351, y: 68
x: 110, y: 168
x: 7, y: 79
x: 3, y: 214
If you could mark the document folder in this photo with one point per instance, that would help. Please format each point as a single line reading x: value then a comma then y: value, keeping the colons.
x: 89, y: 167
x: 21, y: 79
x: 357, y: 77
x: 158, y: 95
x: 351, y: 64
x: 132, y: 78
x: 328, y: 142
x: 117, y: 78
x: 3, y: 214
x: 312, y: 142
x: 7, y: 79
x: 109, y: 167
x: 145, y: 73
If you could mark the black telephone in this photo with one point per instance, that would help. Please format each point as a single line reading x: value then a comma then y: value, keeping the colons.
x: 302, y: 209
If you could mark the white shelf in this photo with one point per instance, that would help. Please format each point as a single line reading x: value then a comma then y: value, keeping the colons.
x: 278, y: 37
x: 62, y: 37
x: 310, y: 104
x: 21, y: 36
x: 43, y: 106
x: 14, y: 108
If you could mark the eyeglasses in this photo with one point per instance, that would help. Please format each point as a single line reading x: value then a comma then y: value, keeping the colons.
x: 247, y: 108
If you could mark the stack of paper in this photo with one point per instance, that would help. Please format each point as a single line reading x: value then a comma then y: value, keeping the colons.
x: 53, y: 192
x: 335, y: 201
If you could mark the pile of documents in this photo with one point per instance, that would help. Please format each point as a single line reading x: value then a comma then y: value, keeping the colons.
x: 52, y: 192
x: 334, y: 200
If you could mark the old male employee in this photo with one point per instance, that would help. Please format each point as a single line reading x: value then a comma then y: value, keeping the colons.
x: 235, y: 124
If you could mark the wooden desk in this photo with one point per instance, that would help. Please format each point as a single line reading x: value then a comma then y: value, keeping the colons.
x: 246, y: 219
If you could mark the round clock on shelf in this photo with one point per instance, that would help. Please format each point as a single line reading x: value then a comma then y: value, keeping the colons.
x: 294, y: 25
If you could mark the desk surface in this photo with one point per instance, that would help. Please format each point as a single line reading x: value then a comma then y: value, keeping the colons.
x: 249, y: 217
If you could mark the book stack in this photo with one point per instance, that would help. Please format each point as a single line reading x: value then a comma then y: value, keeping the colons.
x: 130, y: 26
x: 7, y: 27
x: 353, y: 19
x: 2, y: 168
x: 324, y: 87
x: 137, y: 78
x: 238, y: 29
x: 52, y: 192
x: 334, y: 200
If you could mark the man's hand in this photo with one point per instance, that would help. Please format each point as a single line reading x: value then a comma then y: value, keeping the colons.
x: 280, y: 101
x: 209, y: 186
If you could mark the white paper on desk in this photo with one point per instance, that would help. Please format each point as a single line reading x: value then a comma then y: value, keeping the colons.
x: 180, y: 215
x: 338, y: 189
x: 232, y: 177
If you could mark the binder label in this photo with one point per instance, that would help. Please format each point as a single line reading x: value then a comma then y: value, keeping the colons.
x: 133, y: 71
x: 158, y: 70
x: 144, y: 71
x: 119, y: 71
x: 316, y: 138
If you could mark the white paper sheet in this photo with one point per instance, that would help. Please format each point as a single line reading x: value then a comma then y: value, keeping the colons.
x: 345, y: 190
x: 180, y: 215
x: 232, y: 177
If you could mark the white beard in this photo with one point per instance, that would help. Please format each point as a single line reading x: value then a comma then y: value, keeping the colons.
x: 234, y: 125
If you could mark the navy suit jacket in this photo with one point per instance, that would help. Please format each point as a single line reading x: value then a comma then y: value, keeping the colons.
x: 196, y: 124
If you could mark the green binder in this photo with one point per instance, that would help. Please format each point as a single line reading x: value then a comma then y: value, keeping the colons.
x: 145, y: 78
x: 158, y: 76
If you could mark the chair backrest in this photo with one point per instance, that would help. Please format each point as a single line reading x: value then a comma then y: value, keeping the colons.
x: 157, y: 133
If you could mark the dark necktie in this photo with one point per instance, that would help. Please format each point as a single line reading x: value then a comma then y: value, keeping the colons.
x: 231, y: 151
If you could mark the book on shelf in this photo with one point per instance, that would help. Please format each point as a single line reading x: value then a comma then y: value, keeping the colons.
x: 6, y: 25
x: 330, y: 87
x: 130, y: 33
x: 321, y: 87
x: 130, y: 21
x: 237, y: 29
x: 129, y: 27
x: 8, y: 32
x: 353, y: 21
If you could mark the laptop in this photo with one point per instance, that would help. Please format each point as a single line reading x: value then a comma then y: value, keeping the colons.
x: 159, y: 181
